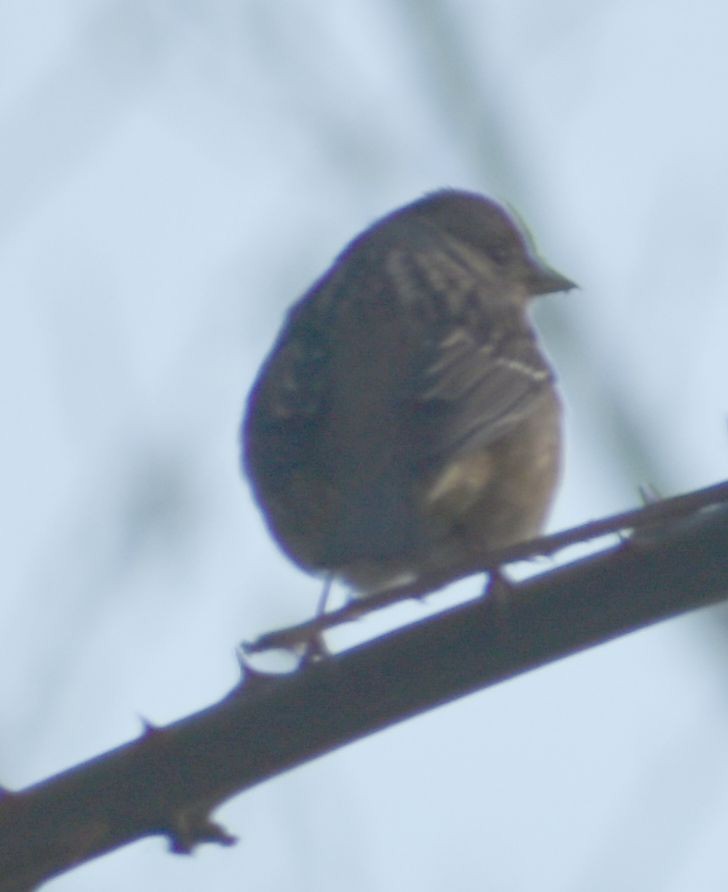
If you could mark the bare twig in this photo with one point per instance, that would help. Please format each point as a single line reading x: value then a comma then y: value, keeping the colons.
x: 652, y: 516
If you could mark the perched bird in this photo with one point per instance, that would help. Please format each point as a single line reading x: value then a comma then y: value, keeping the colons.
x: 406, y: 421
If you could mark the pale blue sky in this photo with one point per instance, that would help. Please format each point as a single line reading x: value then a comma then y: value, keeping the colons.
x: 172, y: 176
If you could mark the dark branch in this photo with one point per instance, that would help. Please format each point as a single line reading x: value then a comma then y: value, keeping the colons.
x: 170, y: 779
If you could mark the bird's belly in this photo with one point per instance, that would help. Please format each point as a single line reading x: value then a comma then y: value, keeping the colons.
x: 483, y: 500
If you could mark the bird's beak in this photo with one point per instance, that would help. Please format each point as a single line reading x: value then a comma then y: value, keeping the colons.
x: 542, y: 279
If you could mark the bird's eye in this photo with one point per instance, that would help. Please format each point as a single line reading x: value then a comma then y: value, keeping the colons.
x: 500, y: 252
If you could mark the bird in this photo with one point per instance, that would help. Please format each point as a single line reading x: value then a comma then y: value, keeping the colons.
x: 406, y: 420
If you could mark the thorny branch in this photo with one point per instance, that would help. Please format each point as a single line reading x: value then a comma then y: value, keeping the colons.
x: 169, y: 780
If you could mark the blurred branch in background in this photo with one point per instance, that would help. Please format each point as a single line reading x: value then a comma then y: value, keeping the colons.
x: 485, y: 122
x: 55, y: 127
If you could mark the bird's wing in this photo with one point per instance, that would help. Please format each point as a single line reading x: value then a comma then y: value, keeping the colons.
x: 473, y: 384
x: 290, y: 396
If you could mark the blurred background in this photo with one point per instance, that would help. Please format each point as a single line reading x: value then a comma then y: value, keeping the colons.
x: 172, y: 176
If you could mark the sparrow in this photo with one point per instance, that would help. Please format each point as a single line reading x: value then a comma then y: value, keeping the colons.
x: 406, y: 420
